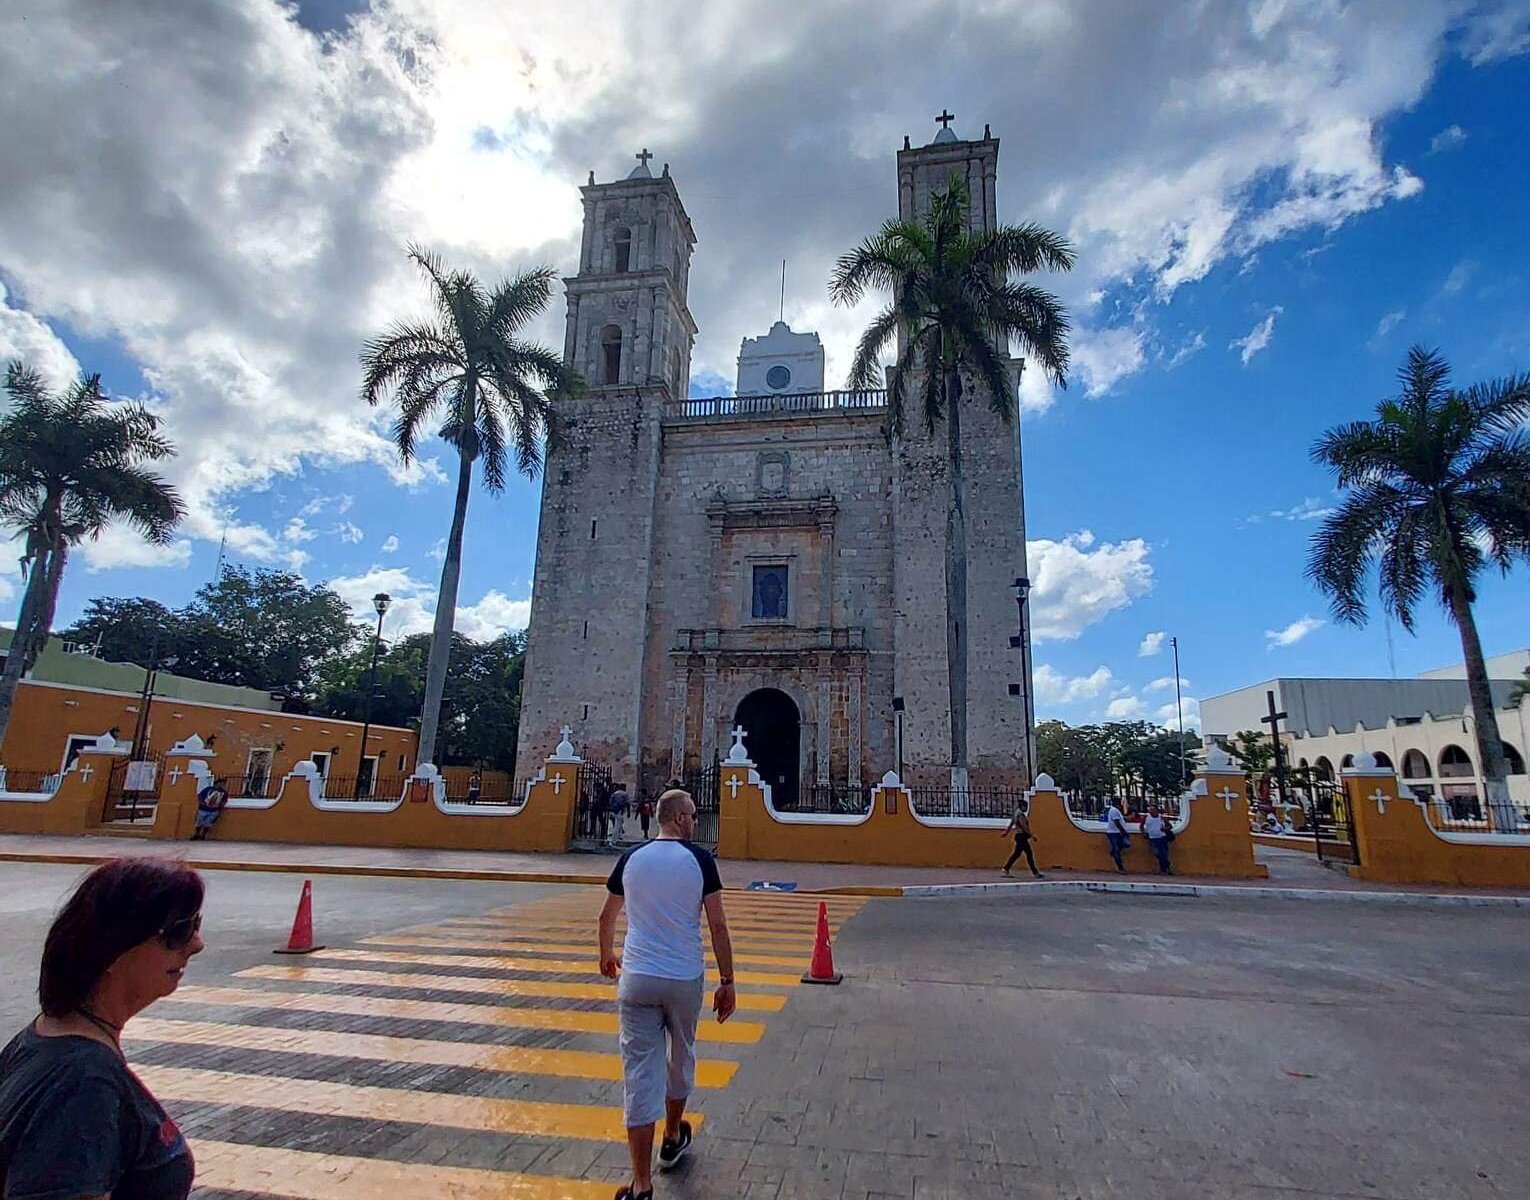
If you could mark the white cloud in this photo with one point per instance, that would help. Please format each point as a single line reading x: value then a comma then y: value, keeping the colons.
x: 1191, y: 347
x: 1165, y: 682
x: 298, y: 530
x: 1125, y: 708
x: 1257, y: 338
x: 1294, y: 632
x: 241, y: 232
x: 350, y: 533
x: 1053, y: 687
x: 1310, y: 509
x: 23, y: 336
x: 1078, y: 584
x: 1389, y: 321
x: 1498, y: 31
x: 1152, y: 644
x: 1104, y: 357
x: 1167, y: 716
x: 1447, y: 139
x: 390, y: 544
x: 121, y: 546
x: 1460, y: 275
x: 414, y: 605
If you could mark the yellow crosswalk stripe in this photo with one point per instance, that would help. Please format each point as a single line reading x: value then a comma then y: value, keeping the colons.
x: 528, y: 946
x: 304, y: 1175
x: 501, y: 962
x: 762, y: 923
x: 358, y: 977
x: 564, y: 1019
x: 534, y: 1118
x: 574, y: 929
x: 520, y: 1060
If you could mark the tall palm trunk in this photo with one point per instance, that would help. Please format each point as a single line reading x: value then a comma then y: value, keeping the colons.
x: 956, y: 581
x: 35, y: 601
x: 446, y: 612
x: 1495, y: 768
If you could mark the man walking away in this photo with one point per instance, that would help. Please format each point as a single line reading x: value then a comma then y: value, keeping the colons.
x: 1020, y: 825
x: 600, y: 813
x: 665, y: 884
x: 1116, y: 831
x: 618, y: 815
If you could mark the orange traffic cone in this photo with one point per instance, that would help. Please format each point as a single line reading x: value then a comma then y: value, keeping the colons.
x: 301, y: 941
x: 821, y: 970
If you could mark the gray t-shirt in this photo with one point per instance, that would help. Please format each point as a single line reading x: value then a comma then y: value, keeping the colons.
x: 75, y: 1121
x: 664, y: 883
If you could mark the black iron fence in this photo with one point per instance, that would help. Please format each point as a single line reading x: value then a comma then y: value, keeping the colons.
x: 497, y: 789
x: 970, y: 802
x: 364, y: 787
x: 1459, y: 808
x: 833, y: 799
x: 132, y: 791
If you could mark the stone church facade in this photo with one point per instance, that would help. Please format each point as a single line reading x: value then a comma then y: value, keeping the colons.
x: 770, y: 559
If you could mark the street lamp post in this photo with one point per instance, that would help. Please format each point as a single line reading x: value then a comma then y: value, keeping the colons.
x: 380, y: 602
x: 1179, y: 708
x: 1021, y: 641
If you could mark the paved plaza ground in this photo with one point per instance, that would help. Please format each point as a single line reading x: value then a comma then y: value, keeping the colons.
x: 456, y: 1041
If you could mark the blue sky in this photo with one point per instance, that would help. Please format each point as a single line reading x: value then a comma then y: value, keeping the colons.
x: 1272, y: 201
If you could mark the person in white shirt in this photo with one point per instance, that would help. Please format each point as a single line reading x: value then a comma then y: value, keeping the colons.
x: 1157, y: 830
x: 665, y: 884
x: 1118, y: 834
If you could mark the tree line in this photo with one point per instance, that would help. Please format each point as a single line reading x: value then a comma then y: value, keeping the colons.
x: 273, y: 631
x: 1127, y: 760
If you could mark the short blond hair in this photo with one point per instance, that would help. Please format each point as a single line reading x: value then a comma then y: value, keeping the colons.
x: 669, y: 805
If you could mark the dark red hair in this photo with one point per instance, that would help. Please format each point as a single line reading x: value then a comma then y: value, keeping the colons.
x: 119, y: 905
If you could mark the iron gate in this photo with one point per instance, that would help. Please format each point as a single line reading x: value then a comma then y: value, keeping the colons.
x: 1325, y: 811
x: 705, y: 786
x: 135, y: 802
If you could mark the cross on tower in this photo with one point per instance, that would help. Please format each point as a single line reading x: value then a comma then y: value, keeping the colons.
x: 1273, y: 721
x: 557, y: 784
x: 945, y: 118
x: 1381, y: 801
x: 86, y: 772
x: 733, y: 785
x: 175, y: 774
x: 1227, y: 796
x: 643, y: 157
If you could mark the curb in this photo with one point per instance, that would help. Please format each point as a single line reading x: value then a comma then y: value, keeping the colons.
x: 466, y: 874
x: 1217, y: 891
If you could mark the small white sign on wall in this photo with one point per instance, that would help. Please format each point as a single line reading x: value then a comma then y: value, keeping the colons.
x: 140, y: 777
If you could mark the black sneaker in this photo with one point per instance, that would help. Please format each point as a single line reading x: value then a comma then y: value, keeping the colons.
x: 671, y: 1152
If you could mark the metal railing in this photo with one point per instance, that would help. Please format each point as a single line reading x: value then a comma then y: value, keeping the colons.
x: 973, y: 802
x: 37, y: 782
x: 498, y: 790
x: 723, y: 408
x: 1461, y: 809
x: 350, y: 787
x: 833, y: 799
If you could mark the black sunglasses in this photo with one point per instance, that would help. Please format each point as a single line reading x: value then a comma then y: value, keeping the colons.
x: 178, y: 934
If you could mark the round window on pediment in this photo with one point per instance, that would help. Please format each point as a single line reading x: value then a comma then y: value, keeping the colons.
x: 777, y: 377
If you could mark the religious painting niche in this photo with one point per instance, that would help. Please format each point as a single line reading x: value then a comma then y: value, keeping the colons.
x: 770, y: 593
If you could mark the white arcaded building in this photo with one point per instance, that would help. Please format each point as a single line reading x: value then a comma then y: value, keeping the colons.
x: 1423, y: 728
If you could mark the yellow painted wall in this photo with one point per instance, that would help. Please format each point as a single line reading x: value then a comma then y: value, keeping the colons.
x: 1399, y: 846
x: 1217, y: 841
x: 544, y: 823
x: 75, y: 808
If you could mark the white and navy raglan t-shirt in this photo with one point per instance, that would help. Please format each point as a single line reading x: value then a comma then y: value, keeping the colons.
x: 664, y: 882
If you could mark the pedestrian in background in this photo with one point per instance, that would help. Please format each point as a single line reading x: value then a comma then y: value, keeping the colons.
x: 619, y: 808
x: 645, y: 812
x: 1020, y: 826
x: 600, y: 813
x: 1117, y: 832
x: 665, y: 885
x: 1159, y: 833
x: 211, y: 801
x: 75, y: 1122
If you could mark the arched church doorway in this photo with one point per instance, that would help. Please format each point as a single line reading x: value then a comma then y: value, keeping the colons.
x: 772, y: 729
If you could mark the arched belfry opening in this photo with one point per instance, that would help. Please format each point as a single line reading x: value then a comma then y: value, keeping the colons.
x: 773, y: 736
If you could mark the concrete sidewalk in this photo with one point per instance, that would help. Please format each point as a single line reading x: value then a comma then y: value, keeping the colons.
x: 1291, y: 872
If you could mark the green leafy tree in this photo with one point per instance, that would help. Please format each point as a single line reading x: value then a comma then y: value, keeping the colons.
x: 71, y: 463
x: 492, y: 392
x: 1252, y: 751
x: 1436, y: 488
x: 128, y: 629
x: 264, y: 629
x: 955, y: 307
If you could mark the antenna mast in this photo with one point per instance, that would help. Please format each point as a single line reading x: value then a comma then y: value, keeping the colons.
x: 782, y: 316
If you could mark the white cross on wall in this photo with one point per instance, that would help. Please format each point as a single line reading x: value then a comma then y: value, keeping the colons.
x: 733, y: 785
x: 86, y: 772
x: 1227, y: 796
x: 557, y: 785
x: 1381, y: 801
x: 175, y: 774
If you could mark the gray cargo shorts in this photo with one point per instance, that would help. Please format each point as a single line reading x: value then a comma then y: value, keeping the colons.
x: 658, y: 1023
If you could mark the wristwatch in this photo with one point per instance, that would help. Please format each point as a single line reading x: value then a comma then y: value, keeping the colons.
x: 725, y: 980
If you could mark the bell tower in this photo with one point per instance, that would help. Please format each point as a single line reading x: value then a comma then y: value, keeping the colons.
x: 628, y: 322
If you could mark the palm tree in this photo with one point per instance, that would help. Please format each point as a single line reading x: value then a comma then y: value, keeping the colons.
x: 493, y: 394
x: 71, y: 463
x: 1437, y: 487
x: 955, y: 309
